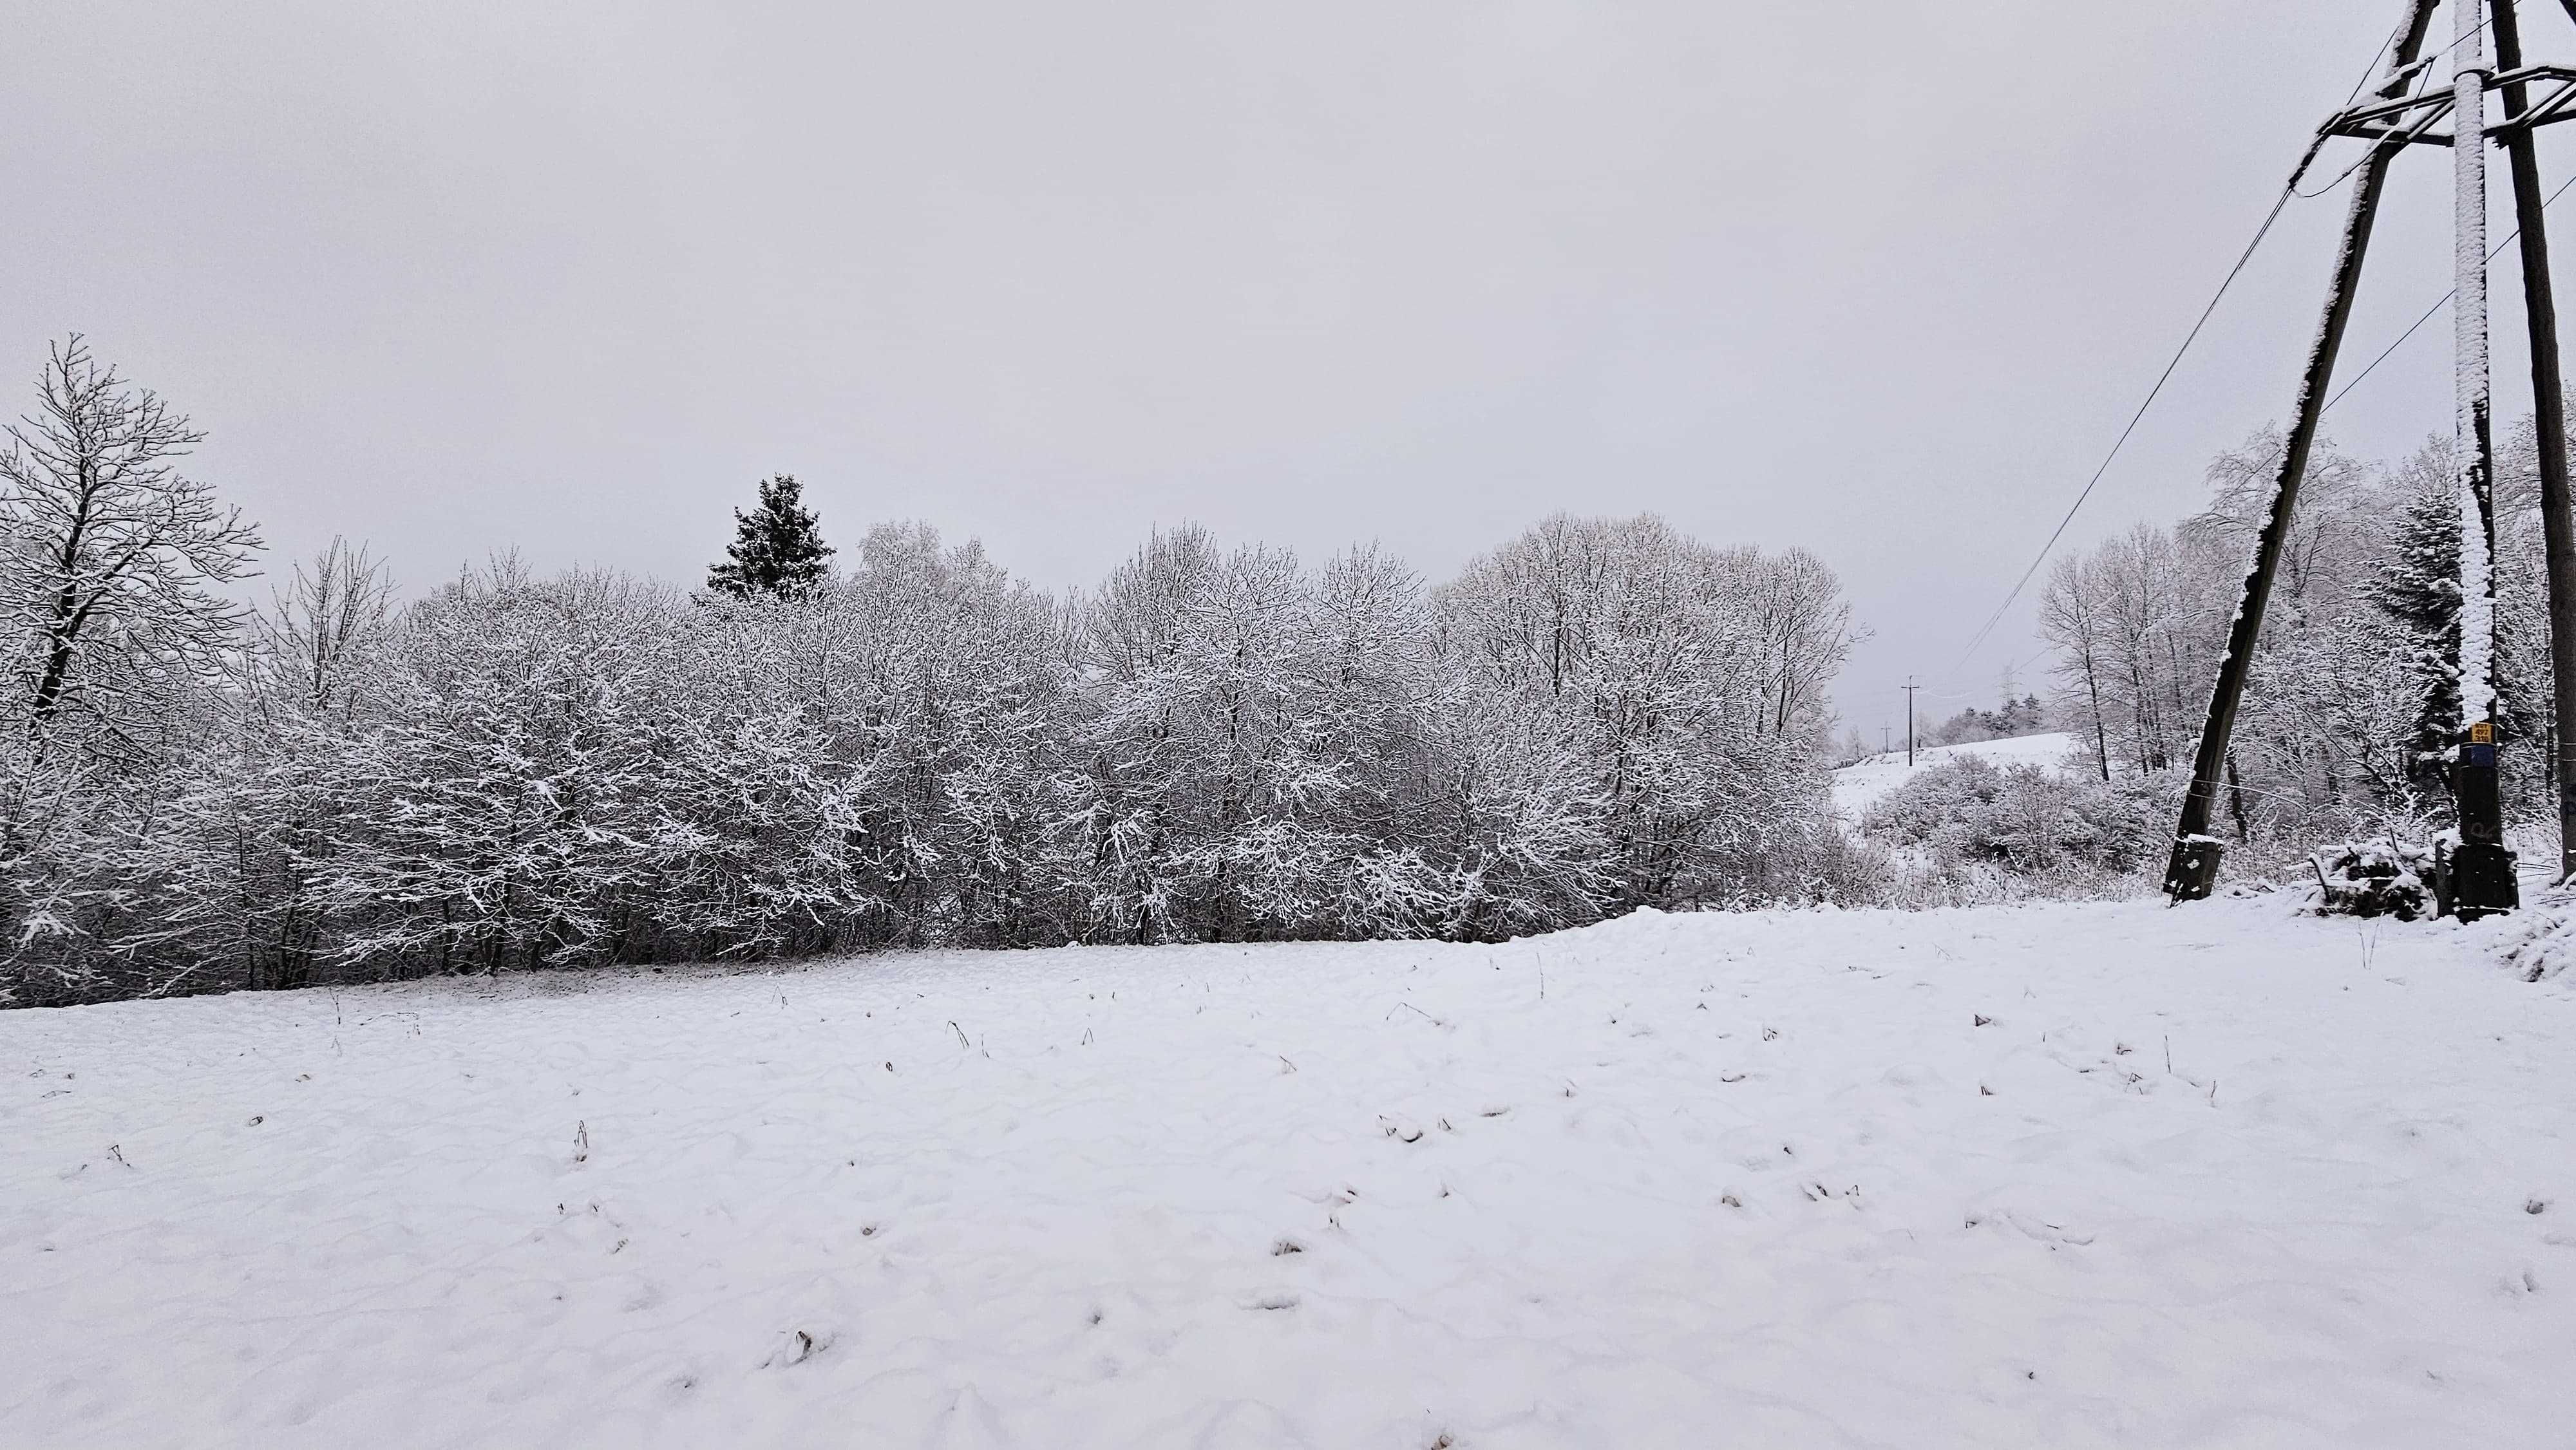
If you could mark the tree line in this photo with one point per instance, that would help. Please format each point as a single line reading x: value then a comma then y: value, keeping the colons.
x: 518, y: 769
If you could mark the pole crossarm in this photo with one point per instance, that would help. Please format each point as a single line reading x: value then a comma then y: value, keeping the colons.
x: 2411, y: 118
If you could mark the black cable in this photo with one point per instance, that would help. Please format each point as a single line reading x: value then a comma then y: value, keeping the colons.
x: 2339, y: 393
x: 2381, y: 54
x: 2409, y: 76
x: 2508, y: 241
x: 2413, y: 327
x: 2289, y: 189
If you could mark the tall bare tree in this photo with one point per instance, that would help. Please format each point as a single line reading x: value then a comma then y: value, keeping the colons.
x: 113, y: 557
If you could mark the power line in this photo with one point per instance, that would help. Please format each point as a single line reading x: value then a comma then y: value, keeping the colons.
x: 2017, y: 667
x: 2438, y: 306
x: 2046, y: 549
x: 2355, y: 381
x: 2411, y: 328
x: 2289, y: 189
x: 2372, y: 69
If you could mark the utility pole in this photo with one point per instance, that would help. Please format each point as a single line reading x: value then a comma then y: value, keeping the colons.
x: 2193, y: 868
x: 2481, y: 872
x: 2478, y: 878
x: 1910, y: 687
x: 1883, y: 746
x: 2549, y: 421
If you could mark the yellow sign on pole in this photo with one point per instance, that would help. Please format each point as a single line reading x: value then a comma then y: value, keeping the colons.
x: 2482, y: 733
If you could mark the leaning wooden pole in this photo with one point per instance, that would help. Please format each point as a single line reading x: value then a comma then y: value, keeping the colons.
x: 2193, y: 868
x: 2549, y: 422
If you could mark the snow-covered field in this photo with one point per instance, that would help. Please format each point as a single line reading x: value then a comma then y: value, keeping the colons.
x: 1856, y: 786
x: 2046, y: 1176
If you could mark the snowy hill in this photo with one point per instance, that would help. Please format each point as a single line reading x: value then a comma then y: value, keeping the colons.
x: 2055, y: 1175
x: 1856, y: 786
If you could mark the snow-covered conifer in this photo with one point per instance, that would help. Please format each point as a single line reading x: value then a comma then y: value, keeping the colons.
x: 777, y: 548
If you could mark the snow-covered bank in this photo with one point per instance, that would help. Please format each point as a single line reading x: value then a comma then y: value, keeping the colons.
x: 1856, y: 786
x: 2069, y: 1175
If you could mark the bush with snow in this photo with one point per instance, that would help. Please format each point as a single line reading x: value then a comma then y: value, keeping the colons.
x: 2544, y: 937
x: 2027, y: 823
x: 2387, y: 877
x: 522, y: 770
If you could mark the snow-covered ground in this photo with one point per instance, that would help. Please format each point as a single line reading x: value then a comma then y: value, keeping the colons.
x: 1856, y: 786
x: 2110, y: 1174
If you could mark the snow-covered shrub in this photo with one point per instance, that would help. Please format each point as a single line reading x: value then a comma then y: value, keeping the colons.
x: 504, y: 802
x: 1685, y: 684
x: 2080, y: 836
x: 518, y: 770
x: 2015, y: 717
x: 2544, y: 937
x: 2386, y: 877
x: 1830, y: 866
x: 1205, y: 803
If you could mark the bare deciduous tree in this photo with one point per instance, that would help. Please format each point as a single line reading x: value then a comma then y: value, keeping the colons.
x: 113, y: 555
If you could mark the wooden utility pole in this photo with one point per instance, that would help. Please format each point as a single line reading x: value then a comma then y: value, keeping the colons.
x: 2480, y: 876
x: 2193, y: 867
x: 2549, y: 422
x: 2481, y: 870
x: 1910, y: 687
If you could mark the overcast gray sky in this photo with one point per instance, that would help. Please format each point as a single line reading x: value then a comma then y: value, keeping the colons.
x: 1881, y: 279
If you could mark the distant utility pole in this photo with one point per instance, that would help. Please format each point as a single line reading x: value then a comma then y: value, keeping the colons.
x: 1909, y: 687
x: 1883, y: 746
x: 2481, y: 878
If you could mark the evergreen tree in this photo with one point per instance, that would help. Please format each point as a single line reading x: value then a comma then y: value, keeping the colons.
x: 2418, y: 587
x: 777, y: 548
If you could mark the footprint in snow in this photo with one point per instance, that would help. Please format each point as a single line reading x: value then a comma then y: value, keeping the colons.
x: 1399, y: 1127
